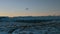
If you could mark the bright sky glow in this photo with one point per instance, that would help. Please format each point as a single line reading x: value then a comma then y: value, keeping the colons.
x: 35, y: 7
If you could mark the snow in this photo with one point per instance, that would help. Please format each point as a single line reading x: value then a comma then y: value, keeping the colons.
x: 9, y: 26
x: 3, y: 33
x: 36, y: 30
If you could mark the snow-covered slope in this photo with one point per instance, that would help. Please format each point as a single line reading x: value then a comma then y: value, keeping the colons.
x: 9, y: 26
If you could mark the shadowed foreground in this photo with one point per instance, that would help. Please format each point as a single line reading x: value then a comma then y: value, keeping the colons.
x: 29, y: 25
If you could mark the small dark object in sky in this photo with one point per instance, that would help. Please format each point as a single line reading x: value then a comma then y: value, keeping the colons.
x: 27, y: 9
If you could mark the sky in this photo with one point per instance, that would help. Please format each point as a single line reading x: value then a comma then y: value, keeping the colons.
x: 29, y: 7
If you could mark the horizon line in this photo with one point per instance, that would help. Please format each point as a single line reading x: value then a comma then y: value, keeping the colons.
x: 28, y: 16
